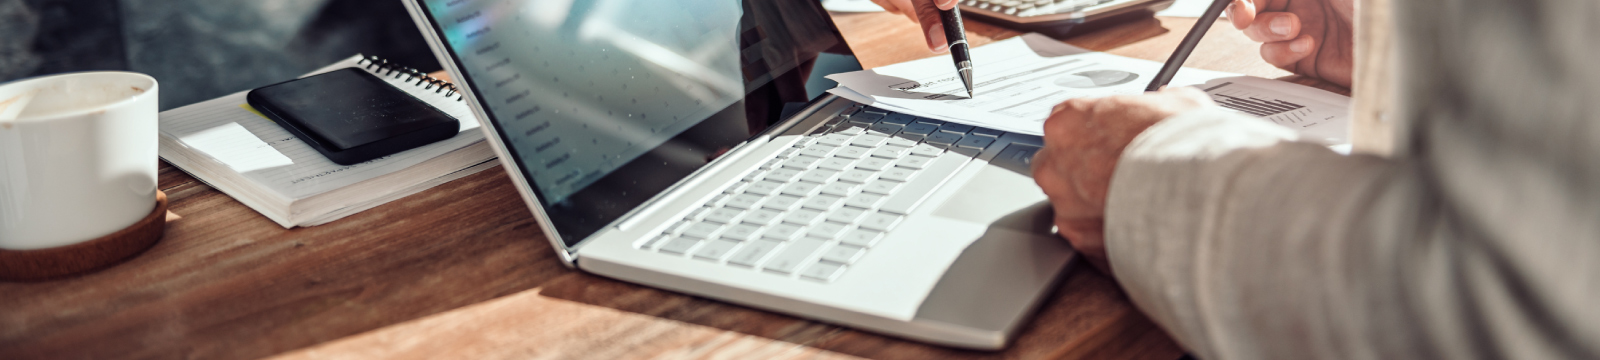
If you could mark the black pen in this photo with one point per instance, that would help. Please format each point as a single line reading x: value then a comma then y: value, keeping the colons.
x: 957, y: 35
x: 1187, y: 46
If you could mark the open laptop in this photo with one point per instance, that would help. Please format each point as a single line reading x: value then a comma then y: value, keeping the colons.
x: 690, y: 146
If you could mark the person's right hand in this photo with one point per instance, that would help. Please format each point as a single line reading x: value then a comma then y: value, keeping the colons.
x: 1308, y: 37
x: 926, y: 13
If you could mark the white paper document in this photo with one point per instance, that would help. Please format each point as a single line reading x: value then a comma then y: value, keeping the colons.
x: 1320, y: 116
x: 1016, y: 81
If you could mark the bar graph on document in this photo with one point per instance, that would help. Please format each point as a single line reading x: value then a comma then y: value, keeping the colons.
x: 1320, y: 117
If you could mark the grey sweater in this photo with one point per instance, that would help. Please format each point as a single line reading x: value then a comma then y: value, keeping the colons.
x: 1479, y: 238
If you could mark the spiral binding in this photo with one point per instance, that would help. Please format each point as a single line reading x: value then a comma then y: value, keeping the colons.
x: 383, y: 67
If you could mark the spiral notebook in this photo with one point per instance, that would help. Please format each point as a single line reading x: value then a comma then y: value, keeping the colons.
x: 228, y: 145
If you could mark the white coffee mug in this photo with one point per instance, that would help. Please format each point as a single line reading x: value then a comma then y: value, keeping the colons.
x: 77, y: 157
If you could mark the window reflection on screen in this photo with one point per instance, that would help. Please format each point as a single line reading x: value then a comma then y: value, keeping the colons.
x: 583, y: 87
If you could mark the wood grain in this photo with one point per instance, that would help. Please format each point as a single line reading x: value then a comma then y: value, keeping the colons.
x: 461, y: 271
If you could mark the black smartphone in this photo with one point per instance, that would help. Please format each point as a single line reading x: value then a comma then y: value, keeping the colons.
x: 351, y: 116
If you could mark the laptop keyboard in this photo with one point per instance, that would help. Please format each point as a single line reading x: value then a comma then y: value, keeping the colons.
x: 818, y: 207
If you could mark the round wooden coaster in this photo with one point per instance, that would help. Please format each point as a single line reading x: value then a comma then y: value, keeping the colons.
x: 43, y: 264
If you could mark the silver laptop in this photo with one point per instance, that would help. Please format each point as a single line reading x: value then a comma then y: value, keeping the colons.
x: 691, y: 146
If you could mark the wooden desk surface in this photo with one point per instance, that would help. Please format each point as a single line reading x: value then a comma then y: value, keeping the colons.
x: 462, y: 271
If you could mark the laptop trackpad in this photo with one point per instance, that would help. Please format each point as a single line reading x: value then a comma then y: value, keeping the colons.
x: 1004, y: 197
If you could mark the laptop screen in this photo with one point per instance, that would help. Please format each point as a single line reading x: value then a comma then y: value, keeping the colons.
x: 603, y: 104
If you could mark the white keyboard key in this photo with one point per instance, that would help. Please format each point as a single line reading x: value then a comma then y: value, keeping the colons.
x: 865, y: 200
x: 861, y: 237
x: 737, y: 188
x: 820, y: 151
x: 702, y: 230
x: 820, y: 176
x: 840, y: 188
x: 975, y: 142
x: 911, y: 194
x: 899, y: 141
x: 761, y: 217
x: 821, y: 202
x: 741, y: 232
x: 869, y: 140
x: 786, y: 153
x: 753, y: 176
x: 781, y: 203
x: 914, y: 162
x: 823, y: 271
x: 679, y: 245
x: 890, y: 152
x: 836, y: 163
x: 803, y: 142
x: 834, y: 139
x: 843, y: 254
x: 656, y: 241
x: 827, y: 230
x: 858, y: 176
x: 718, y: 200
x: 744, y: 201
x: 881, y: 187
x: 852, y: 152
x: 875, y: 164
x: 846, y: 215
x: 697, y: 214
x: 851, y: 129
x: 880, y: 221
x: 802, y: 189
x: 726, y: 215
x: 770, y: 164
x: 925, y: 150
x: 801, y: 162
x: 752, y: 253
x: 784, y: 232
x: 782, y: 175
x: 715, y: 250
x: 679, y: 227
x: 803, y: 217
x: 791, y: 257
x: 764, y: 188
x: 898, y: 174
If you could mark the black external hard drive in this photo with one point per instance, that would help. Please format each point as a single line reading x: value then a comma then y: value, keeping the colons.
x: 351, y: 116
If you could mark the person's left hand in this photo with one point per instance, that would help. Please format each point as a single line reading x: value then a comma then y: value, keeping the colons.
x: 1083, y: 139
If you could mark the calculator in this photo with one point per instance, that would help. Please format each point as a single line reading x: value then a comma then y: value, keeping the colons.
x: 1060, y: 18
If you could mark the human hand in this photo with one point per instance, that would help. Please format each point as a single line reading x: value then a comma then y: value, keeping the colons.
x: 1308, y: 37
x: 1083, y: 139
x: 926, y: 13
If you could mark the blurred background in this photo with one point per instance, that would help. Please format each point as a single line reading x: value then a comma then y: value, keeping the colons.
x: 201, y: 49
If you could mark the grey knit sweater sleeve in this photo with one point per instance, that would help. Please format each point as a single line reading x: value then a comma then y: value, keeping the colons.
x: 1480, y: 238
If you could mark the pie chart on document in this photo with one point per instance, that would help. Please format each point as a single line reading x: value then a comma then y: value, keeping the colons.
x: 1096, y: 79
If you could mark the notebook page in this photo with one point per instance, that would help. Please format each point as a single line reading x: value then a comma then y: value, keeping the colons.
x: 307, y: 172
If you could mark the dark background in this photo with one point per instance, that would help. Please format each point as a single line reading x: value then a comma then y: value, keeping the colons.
x: 201, y: 49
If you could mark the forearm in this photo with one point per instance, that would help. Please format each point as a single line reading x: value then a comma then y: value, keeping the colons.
x: 1245, y: 244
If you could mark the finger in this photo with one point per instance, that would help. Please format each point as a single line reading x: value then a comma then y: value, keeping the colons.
x: 945, y: 4
x: 928, y: 16
x: 1064, y: 120
x: 1274, y: 26
x: 1284, y: 54
x: 887, y: 6
x: 1242, y: 13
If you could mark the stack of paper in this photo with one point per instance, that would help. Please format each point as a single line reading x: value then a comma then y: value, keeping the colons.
x: 226, y: 144
x: 1017, y: 81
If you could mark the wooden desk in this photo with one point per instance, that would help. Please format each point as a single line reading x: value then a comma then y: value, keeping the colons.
x: 462, y: 271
